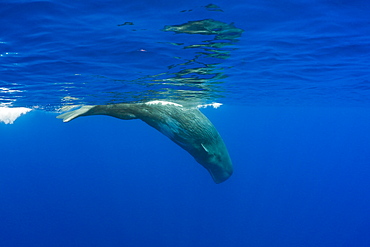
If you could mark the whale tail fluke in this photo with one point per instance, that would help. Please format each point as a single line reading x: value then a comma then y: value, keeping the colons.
x: 68, y: 116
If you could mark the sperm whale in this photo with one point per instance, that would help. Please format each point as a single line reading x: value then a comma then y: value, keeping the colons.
x: 186, y: 126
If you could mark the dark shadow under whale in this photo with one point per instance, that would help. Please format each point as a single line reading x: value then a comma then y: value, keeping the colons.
x: 186, y: 126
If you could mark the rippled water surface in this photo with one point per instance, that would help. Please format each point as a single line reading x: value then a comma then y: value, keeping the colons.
x: 293, y: 77
x: 55, y: 53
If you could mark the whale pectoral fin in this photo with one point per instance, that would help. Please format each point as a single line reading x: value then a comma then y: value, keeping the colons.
x: 68, y: 116
x: 204, y: 147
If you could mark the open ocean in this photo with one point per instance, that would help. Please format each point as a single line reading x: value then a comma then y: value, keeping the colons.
x: 294, y: 81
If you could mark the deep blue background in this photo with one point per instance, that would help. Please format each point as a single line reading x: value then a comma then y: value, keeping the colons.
x: 295, y: 120
x: 301, y: 179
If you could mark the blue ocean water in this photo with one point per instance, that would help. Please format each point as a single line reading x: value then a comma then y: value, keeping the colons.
x: 294, y: 81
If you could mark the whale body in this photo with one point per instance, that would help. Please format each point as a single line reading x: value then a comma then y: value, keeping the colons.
x: 186, y: 126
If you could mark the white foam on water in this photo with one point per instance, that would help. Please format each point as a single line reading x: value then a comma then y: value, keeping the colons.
x: 156, y: 102
x: 214, y: 105
x: 9, y: 115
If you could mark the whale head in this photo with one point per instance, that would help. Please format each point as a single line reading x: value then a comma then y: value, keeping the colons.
x: 215, y: 158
